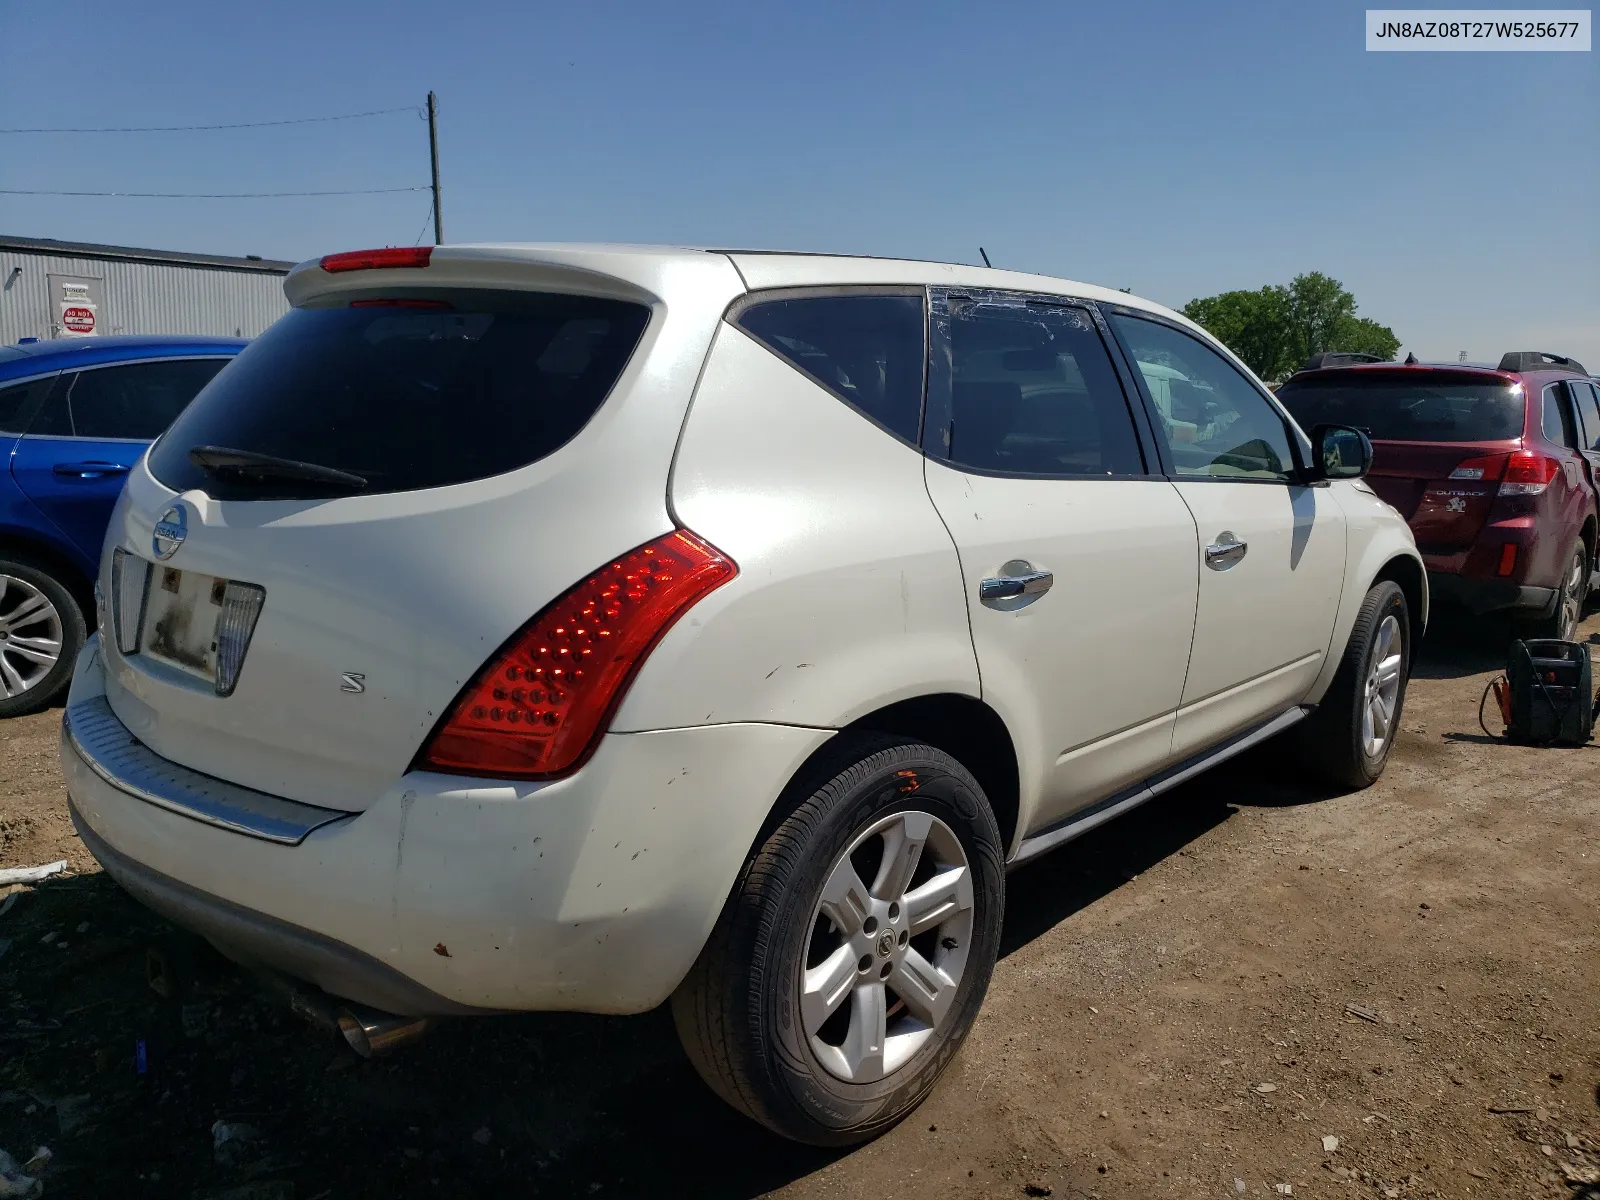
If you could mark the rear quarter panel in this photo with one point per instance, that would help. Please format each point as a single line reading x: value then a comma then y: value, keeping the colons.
x: 849, y: 593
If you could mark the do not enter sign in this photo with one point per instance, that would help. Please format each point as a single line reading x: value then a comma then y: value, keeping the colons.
x: 78, y: 319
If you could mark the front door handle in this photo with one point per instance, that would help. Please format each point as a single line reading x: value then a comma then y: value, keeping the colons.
x: 1005, y: 587
x: 89, y: 470
x: 1227, y: 551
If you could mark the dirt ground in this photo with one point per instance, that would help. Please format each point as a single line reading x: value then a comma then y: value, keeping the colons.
x: 1193, y: 1002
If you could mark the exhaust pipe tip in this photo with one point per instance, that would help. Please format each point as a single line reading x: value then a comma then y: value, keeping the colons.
x: 374, y: 1034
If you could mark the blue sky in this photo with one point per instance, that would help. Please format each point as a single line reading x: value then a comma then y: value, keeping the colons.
x: 1178, y: 149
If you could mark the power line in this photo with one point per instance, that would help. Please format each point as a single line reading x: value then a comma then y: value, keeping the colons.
x: 214, y: 195
x: 376, y: 112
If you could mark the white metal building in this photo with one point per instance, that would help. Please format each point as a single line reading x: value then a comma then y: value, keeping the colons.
x: 51, y: 289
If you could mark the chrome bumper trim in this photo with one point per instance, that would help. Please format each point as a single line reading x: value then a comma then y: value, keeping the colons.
x: 106, y: 747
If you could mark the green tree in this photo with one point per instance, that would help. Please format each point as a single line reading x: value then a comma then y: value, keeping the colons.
x: 1254, y: 325
x: 1366, y: 337
x: 1274, y: 329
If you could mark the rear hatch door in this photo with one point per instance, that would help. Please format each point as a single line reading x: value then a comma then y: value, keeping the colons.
x: 404, y: 473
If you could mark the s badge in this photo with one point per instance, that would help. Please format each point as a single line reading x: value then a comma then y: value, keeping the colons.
x: 352, y: 682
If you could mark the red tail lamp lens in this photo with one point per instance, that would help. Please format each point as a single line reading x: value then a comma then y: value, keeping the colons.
x: 537, y: 709
x: 1527, y: 467
x: 1508, y: 559
x: 372, y: 260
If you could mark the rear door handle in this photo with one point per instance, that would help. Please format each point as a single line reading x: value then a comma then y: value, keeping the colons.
x: 89, y: 470
x: 1005, y: 587
x: 1227, y: 551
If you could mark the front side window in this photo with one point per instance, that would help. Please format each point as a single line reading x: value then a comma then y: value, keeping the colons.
x: 1032, y: 392
x: 1214, y: 421
x: 866, y: 349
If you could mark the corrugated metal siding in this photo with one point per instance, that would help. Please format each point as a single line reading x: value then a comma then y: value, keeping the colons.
x: 141, y: 297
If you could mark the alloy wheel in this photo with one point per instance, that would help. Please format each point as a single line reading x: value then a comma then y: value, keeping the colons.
x: 884, y: 960
x: 1572, y: 596
x: 1383, y: 686
x: 30, y: 636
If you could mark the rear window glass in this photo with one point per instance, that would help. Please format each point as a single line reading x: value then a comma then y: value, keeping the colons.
x: 1409, y: 410
x: 413, y: 393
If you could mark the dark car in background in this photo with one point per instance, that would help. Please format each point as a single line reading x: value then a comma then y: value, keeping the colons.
x: 75, y: 416
x: 1497, y: 470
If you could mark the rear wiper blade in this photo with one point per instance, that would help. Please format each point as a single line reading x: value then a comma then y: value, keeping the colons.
x: 224, y: 462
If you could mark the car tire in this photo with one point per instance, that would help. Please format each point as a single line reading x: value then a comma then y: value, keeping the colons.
x: 792, y: 1016
x: 1348, y: 738
x: 1571, y: 599
x: 38, y: 617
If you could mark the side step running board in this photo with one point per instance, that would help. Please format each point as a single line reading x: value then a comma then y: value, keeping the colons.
x: 1114, y: 806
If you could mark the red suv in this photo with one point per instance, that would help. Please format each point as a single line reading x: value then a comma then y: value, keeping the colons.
x: 1497, y: 469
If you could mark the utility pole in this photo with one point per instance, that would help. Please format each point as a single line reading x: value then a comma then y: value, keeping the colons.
x: 433, y: 153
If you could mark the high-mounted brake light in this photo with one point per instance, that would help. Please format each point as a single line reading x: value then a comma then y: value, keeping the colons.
x: 372, y: 260
x: 1528, y: 474
x: 538, y: 707
x: 400, y: 302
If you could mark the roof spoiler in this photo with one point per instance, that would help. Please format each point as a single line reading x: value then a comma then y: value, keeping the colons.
x: 1340, y: 358
x: 1534, y: 360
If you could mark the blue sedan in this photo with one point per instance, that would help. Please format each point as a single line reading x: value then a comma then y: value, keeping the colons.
x: 75, y: 417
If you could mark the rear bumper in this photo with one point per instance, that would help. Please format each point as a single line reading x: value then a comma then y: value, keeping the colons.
x: 450, y: 895
x: 1481, y: 596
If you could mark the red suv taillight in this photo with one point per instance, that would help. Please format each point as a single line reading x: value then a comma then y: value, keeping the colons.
x: 538, y: 707
x: 371, y: 260
x: 1528, y: 474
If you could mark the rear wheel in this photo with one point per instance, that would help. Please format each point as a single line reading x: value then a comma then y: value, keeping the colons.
x: 41, y: 632
x: 1563, y: 621
x: 1349, y: 737
x: 855, y: 951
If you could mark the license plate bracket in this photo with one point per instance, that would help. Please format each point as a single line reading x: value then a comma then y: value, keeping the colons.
x: 180, y: 620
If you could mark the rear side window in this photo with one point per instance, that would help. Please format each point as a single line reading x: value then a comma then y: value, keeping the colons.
x: 135, y: 402
x: 1555, y: 421
x: 19, y: 400
x: 1413, y: 409
x: 408, y: 393
x: 1589, y: 411
x: 866, y: 349
x: 1033, y: 392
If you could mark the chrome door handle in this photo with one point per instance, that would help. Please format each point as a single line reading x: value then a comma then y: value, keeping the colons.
x: 1004, y: 587
x: 89, y: 470
x: 1227, y: 551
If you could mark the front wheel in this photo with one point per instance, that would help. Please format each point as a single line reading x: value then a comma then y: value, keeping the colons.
x: 1349, y: 737
x: 855, y: 951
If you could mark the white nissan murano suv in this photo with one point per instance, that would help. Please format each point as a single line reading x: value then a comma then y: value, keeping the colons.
x: 532, y: 627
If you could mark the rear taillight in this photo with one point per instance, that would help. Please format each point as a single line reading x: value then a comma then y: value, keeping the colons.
x: 129, y: 578
x: 1508, y: 559
x: 241, y: 608
x: 1528, y: 474
x: 537, y: 709
x: 373, y: 260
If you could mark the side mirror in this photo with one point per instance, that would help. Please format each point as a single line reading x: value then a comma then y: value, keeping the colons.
x: 1340, y: 452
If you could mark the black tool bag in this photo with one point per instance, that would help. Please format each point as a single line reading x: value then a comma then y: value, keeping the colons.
x: 1551, y: 695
